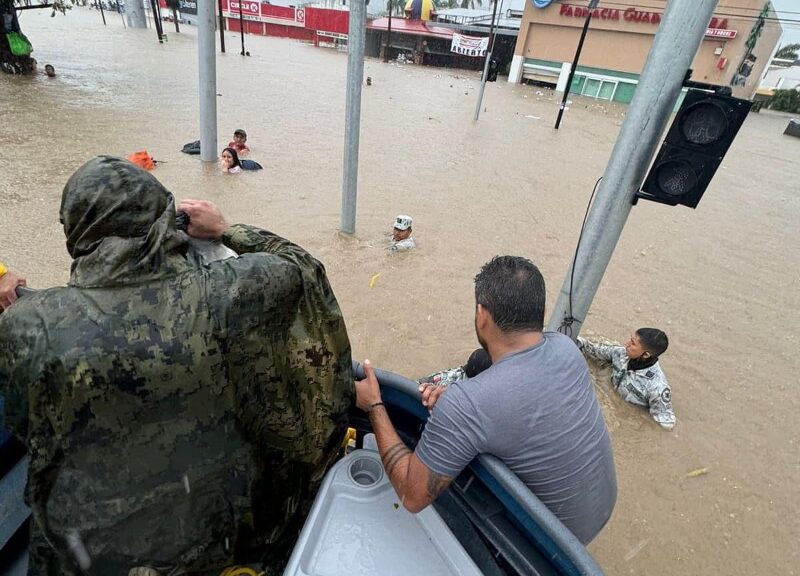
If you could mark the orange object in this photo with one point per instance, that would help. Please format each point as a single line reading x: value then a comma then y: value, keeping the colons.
x: 142, y: 159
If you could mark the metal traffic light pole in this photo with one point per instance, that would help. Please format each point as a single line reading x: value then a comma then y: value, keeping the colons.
x: 356, y: 38
x: 207, y: 69
x: 674, y: 47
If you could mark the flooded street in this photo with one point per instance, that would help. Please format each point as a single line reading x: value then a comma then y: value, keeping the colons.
x: 721, y: 280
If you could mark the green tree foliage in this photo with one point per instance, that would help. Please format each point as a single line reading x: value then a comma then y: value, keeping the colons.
x: 786, y: 101
x: 459, y: 3
x: 789, y: 52
x: 395, y: 6
x: 57, y: 5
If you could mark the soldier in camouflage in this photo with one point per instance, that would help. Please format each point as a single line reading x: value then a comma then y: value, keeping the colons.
x: 179, y: 418
x: 401, y: 234
x: 636, y: 373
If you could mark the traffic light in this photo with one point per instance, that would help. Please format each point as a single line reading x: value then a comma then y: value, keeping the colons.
x: 703, y: 129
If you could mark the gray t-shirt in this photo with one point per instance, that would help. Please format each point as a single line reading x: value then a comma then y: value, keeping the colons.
x: 536, y: 411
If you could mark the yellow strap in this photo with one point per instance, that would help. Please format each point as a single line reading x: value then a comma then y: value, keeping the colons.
x: 3, y: 269
x: 239, y: 571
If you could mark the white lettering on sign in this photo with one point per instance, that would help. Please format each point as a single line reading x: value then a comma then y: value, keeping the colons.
x: 251, y: 7
x: 721, y: 33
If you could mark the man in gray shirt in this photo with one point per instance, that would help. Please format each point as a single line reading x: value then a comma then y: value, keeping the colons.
x: 534, y: 408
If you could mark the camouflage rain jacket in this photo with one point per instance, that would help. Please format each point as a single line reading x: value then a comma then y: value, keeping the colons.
x: 177, y: 417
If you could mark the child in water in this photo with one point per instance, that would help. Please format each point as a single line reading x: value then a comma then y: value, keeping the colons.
x: 239, y: 142
x: 229, y: 161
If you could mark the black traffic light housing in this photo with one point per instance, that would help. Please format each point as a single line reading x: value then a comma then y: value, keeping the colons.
x: 703, y: 130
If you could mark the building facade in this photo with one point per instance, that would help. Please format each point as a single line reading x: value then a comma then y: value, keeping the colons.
x: 619, y: 39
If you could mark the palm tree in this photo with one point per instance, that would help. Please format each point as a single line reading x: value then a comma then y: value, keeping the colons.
x: 458, y: 3
x: 395, y: 6
x: 789, y: 52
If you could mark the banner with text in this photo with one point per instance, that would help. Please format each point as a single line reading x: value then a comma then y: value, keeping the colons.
x: 469, y: 45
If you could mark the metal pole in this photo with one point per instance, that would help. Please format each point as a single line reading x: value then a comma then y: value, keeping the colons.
x: 207, y: 66
x: 221, y: 27
x: 175, y: 17
x: 154, y: 8
x: 102, y: 12
x: 486, y: 64
x: 388, y: 33
x: 241, y: 25
x: 356, y: 36
x: 592, y: 6
x: 675, y: 45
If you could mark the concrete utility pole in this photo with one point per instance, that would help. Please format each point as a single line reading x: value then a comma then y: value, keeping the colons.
x: 136, y: 16
x: 672, y: 52
x: 356, y: 36
x: 207, y: 66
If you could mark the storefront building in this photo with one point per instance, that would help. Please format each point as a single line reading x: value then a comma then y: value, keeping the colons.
x: 619, y: 39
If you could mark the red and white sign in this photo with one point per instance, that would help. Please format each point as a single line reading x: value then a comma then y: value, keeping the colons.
x: 718, y: 28
x: 721, y: 33
x: 250, y: 10
x: 469, y: 45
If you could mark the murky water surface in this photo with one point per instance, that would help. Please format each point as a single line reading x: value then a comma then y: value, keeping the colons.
x: 721, y: 280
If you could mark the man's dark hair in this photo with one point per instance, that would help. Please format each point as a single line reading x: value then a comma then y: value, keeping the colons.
x: 511, y: 288
x: 653, y: 340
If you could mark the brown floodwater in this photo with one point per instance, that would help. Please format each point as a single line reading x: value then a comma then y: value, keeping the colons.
x: 722, y: 280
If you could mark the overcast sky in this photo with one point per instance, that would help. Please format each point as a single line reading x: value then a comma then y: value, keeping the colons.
x: 791, y: 30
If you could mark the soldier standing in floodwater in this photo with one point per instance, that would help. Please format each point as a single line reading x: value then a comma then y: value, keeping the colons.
x: 178, y: 417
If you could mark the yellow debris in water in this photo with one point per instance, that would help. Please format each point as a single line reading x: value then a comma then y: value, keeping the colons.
x: 697, y: 472
x: 373, y: 279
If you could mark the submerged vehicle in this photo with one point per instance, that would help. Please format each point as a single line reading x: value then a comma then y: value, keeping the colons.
x: 488, y: 522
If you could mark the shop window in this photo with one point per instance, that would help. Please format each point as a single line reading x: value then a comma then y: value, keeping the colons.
x: 591, y: 88
x: 606, y: 90
x: 624, y: 92
x: 577, y: 84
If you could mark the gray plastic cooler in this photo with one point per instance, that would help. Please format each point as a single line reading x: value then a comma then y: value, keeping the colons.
x: 357, y: 527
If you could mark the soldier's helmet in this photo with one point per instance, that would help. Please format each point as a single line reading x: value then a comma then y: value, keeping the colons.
x: 403, y: 222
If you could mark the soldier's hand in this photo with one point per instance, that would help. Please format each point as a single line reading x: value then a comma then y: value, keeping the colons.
x: 431, y: 394
x: 8, y: 285
x: 368, y: 391
x: 205, y: 219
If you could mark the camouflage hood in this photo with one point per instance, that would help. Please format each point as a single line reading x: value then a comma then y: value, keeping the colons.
x: 120, y: 225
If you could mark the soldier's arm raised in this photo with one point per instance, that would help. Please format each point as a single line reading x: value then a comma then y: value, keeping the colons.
x: 595, y: 350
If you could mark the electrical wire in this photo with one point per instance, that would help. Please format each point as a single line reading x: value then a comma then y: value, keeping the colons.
x: 566, y: 324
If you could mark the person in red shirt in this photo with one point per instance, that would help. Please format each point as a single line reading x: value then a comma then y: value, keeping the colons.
x: 239, y: 142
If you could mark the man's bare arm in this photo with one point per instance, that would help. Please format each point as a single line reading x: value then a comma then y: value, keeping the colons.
x: 416, y: 484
